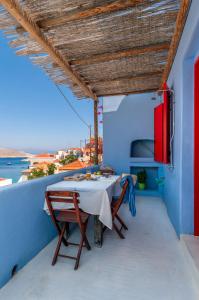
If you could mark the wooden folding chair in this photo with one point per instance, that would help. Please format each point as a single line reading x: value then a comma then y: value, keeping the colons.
x: 65, y: 216
x: 115, y: 206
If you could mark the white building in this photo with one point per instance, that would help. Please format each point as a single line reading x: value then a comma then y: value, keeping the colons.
x: 5, y: 181
x: 44, y: 157
x: 74, y: 151
x: 61, y: 154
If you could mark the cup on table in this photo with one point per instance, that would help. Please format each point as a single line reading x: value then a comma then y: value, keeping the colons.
x: 106, y: 175
x: 88, y: 175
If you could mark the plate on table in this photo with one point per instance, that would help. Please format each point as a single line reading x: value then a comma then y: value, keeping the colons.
x: 75, y: 178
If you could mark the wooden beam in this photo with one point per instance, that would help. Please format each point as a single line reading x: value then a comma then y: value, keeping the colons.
x: 31, y: 27
x: 121, y: 54
x: 154, y: 89
x: 180, y: 22
x: 79, y: 15
x: 95, y: 132
x: 98, y: 58
x: 142, y: 76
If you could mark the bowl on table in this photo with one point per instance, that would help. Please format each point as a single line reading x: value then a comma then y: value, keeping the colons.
x: 106, y: 175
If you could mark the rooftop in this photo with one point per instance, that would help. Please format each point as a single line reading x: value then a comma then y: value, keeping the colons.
x: 148, y: 264
x: 44, y: 155
x: 75, y: 165
x: 79, y: 149
x: 42, y: 165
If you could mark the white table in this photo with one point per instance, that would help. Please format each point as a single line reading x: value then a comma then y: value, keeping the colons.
x: 95, y: 198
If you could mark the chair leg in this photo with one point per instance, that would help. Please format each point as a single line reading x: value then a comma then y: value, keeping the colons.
x: 87, y: 243
x: 67, y: 231
x: 104, y: 229
x: 85, y: 237
x: 121, y: 222
x: 83, y: 240
x: 79, y: 253
x: 118, y: 231
x: 64, y: 242
x: 59, y: 229
x: 59, y: 245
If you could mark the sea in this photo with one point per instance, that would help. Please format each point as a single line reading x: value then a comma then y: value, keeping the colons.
x: 12, y: 167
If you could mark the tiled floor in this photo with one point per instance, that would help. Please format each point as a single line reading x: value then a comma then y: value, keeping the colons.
x: 148, y: 264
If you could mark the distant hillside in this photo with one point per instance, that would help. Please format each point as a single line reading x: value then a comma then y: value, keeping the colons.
x: 5, y: 152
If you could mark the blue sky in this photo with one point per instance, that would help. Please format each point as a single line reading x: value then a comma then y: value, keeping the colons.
x: 33, y: 115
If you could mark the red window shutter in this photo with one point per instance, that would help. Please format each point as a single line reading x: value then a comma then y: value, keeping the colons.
x: 158, y: 133
x: 166, y: 125
x: 196, y: 148
x: 162, y: 129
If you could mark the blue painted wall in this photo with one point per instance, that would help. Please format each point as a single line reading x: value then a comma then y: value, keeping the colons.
x: 178, y: 192
x: 25, y: 229
x: 132, y: 120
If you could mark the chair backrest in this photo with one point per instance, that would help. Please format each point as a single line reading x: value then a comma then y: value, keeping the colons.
x: 119, y: 201
x: 65, y: 197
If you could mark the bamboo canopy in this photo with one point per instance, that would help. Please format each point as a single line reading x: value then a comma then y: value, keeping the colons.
x: 97, y: 47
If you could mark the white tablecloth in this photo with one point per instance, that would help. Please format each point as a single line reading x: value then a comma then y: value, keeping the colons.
x: 95, y: 196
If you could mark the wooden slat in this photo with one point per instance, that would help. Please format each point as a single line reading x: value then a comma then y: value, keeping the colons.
x: 31, y: 27
x: 142, y: 76
x: 151, y: 90
x: 119, y: 80
x: 24, y: 52
x: 180, y: 22
x: 73, y: 16
x: 121, y: 54
x: 108, y: 56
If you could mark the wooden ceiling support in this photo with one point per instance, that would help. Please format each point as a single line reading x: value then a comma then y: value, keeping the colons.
x: 108, y: 56
x: 151, y: 90
x: 96, y: 131
x: 32, y: 28
x: 142, y: 76
x: 180, y: 22
x: 79, y: 15
x: 121, y: 54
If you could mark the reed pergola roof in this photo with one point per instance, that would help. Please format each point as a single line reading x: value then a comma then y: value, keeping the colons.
x: 97, y: 47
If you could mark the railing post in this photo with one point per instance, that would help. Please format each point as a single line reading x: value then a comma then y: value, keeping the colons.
x: 96, y: 132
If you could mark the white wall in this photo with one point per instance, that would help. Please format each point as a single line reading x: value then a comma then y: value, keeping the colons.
x: 132, y: 120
